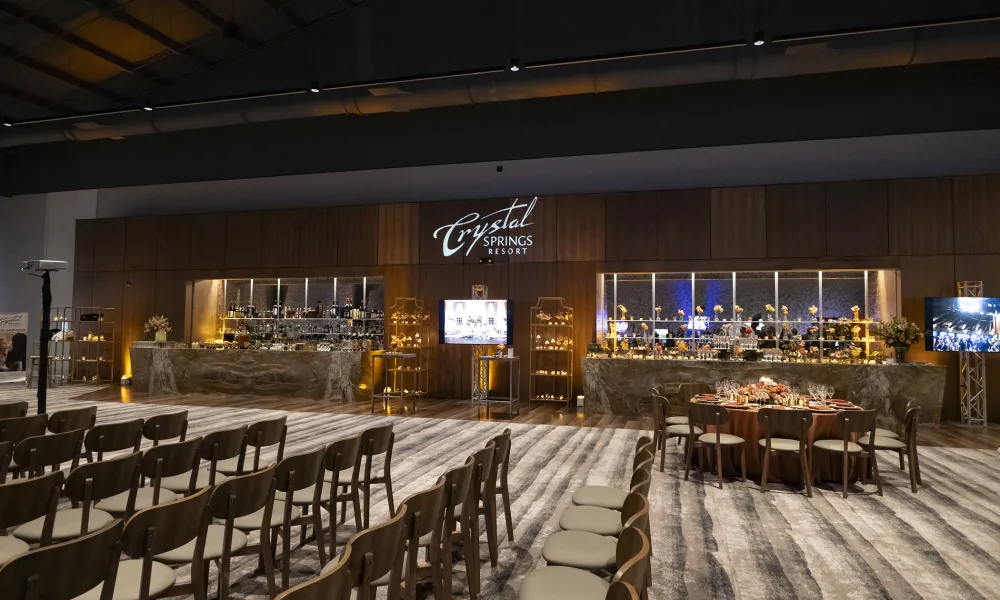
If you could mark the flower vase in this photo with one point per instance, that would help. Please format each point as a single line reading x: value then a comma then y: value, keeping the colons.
x: 901, y: 350
x: 161, y: 336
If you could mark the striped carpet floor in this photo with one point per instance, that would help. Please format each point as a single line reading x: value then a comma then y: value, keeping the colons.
x: 943, y: 542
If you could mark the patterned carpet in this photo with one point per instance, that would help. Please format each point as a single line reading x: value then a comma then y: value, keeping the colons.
x: 943, y: 542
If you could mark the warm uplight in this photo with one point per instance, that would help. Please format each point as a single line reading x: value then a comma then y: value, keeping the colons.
x: 363, y: 386
x: 126, y: 395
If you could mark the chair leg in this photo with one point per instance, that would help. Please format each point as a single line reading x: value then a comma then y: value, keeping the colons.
x: 743, y: 461
x: 368, y: 494
x: 915, y: 464
x: 505, y: 494
x: 687, y: 458
x: 437, y: 572
x: 268, y: 559
x: 472, y: 557
x: 491, y: 529
x: 806, y: 475
x: 318, y: 530
x: 878, y: 478
x: 764, y: 471
x: 286, y: 555
x: 846, y: 460
x: 388, y: 493
x: 718, y: 462
x: 902, y: 465
x: 447, y: 567
x: 333, y: 527
x: 663, y: 449
x: 356, y: 501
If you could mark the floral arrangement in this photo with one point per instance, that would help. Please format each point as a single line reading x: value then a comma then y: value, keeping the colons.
x: 899, y: 331
x: 813, y: 310
x: 157, y: 323
x: 766, y: 390
x: 563, y: 316
x: 645, y: 327
x: 682, y: 346
x: 769, y: 308
x: 739, y: 309
x: 680, y: 314
x: 784, y: 310
x: 718, y: 309
x: 699, y: 310
x: 658, y: 311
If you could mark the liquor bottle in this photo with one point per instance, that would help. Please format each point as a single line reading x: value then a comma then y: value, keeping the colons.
x: 334, y: 309
x: 319, y: 309
x: 349, y: 309
x: 274, y: 311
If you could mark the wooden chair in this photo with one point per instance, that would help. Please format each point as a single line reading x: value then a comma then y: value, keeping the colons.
x: 93, y: 559
x: 590, y: 551
x: 852, y: 423
x: 6, y: 454
x: 612, y: 497
x: 15, y: 429
x: 605, y: 521
x: 674, y: 412
x: 86, y: 485
x: 376, y: 442
x: 26, y: 500
x: 330, y: 585
x: 166, y: 427
x: 425, y: 520
x: 785, y: 431
x: 487, y: 506
x: 905, y: 446
x: 113, y: 437
x: 620, y: 590
x: 666, y: 428
x: 215, y: 447
x: 157, y: 530
x: 261, y: 434
x: 165, y: 460
x: 468, y: 519
x: 62, y: 421
x: 33, y: 454
x: 558, y: 582
x: 376, y: 554
x: 13, y: 410
x: 292, y: 475
x: 457, y: 484
x: 341, y: 470
x: 502, y: 460
x: 700, y: 416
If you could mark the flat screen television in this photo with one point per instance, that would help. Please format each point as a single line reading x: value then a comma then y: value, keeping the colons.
x: 962, y: 324
x: 485, y: 322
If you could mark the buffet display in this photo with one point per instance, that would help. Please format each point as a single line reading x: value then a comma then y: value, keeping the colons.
x: 551, y: 353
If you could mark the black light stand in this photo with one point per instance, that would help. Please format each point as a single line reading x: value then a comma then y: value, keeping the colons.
x: 45, y: 335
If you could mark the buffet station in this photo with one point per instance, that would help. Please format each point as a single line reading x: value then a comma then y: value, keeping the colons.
x: 800, y: 328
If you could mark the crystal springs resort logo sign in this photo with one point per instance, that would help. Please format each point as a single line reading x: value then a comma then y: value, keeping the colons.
x: 499, y: 232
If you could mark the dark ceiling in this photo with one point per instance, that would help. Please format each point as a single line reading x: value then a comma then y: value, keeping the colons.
x: 72, y: 57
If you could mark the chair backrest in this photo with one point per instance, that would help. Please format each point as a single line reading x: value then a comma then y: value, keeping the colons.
x: 642, y: 478
x: 635, y: 511
x: 166, y: 427
x: 6, y: 454
x: 62, y: 421
x: 13, y: 410
x: 701, y: 415
x: 330, y: 585
x: 484, y: 462
x: 16, y: 429
x: 376, y: 552
x: 42, y: 451
x: 783, y: 423
x: 856, y: 421
x: 340, y: 455
x: 23, y: 500
x: 426, y: 510
x: 243, y: 495
x: 163, y: 527
x: 220, y: 445
x: 659, y: 413
x: 501, y: 458
x: 267, y: 433
x: 620, y: 590
x: 643, y: 459
x: 376, y: 441
x: 300, y: 471
x: 169, y: 460
x: 82, y: 564
x: 457, y: 482
x: 112, y: 437
x: 632, y: 556
x: 93, y: 482
x: 644, y: 442
x: 910, y: 423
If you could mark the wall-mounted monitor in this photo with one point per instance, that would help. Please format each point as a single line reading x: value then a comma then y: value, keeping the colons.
x: 485, y: 322
x: 962, y: 324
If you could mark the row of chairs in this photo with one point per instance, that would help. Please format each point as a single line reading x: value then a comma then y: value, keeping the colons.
x: 603, y: 548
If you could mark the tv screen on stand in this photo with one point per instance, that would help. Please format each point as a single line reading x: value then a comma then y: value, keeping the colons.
x: 477, y: 322
x: 962, y: 324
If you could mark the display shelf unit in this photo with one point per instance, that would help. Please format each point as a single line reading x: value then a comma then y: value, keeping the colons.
x: 550, y: 357
x: 409, y: 323
x: 60, y: 350
x: 513, y: 397
x: 394, y: 365
x: 94, y: 345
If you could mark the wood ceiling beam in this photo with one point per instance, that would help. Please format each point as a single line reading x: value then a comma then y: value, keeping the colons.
x: 228, y: 28
x: 33, y: 99
x: 113, y: 10
x: 42, y: 67
x: 282, y: 8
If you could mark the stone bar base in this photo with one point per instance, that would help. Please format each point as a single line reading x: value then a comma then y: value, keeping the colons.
x: 330, y: 376
x: 623, y: 386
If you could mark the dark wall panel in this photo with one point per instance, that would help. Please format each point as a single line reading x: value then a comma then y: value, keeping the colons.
x: 83, y: 255
x: 739, y: 222
x: 581, y: 228
x: 141, y: 243
x: 977, y: 212
x: 109, y: 244
x: 920, y: 216
x: 398, y: 234
x: 856, y: 219
x: 83, y: 287
x: 244, y: 240
x: 450, y: 365
x: 170, y: 300
x: 173, y: 242
x: 683, y: 224
x: 208, y: 241
x: 280, y: 238
x: 544, y: 231
x: 318, y: 232
x: 138, y: 304
x: 357, y: 236
x: 625, y: 236
x: 796, y: 220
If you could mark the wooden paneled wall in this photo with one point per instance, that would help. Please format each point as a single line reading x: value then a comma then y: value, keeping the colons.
x: 936, y: 230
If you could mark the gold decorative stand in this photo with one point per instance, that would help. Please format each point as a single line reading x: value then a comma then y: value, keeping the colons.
x: 410, y: 324
x: 551, y: 355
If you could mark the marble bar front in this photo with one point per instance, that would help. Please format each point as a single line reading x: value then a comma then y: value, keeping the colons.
x: 329, y: 376
x: 623, y: 386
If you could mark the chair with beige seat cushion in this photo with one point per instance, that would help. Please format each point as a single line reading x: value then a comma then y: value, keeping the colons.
x: 166, y: 460
x: 502, y: 460
x: 25, y: 500
x: 85, y: 485
x: 113, y: 437
x: 62, y: 421
x: 590, y: 551
x: 13, y: 410
x: 702, y: 416
x: 851, y: 424
x: 154, y: 531
x: 170, y: 426
x: 260, y: 435
x: 603, y: 521
x: 458, y: 483
x: 425, y: 517
x: 785, y: 431
x: 32, y: 455
x: 376, y: 554
x: 606, y: 496
x: 488, y: 495
x: 558, y: 582
x: 291, y: 475
x: 6, y: 454
x: 330, y: 585
x: 375, y: 442
x: 66, y: 570
x: 215, y: 447
x: 468, y: 519
x: 905, y: 446
x: 16, y: 429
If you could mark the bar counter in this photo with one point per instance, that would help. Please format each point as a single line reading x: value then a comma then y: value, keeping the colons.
x: 329, y: 376
x: 623, y: 386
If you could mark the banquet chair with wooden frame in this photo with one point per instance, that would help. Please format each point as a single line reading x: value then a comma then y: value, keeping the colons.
x: 620, y: 590
x: 85, y: 486
x: 487, y: 506
x: 26, y: 500
x: 159, y: 462
x: 376, y: 441
x: 700, y: 417
x: 376, y: 553
x: 425, y: 520
x: 159, y: 530
x: 905, y: 446
x: 292, y: 475
x: 166, y: 427
x: 606, y: 521
x: 330, y: 585
x: 785, y: 431
x: 468, y: 519
x: 113, y: 437
x: 215, y: 447
x: 32, y: 455
x: 612, y: 497
x: 590, y: 551
x: 559, y: 582
x: 666, y: 430
x: 260, y: 435
x: 674, y: 413
x: 501, y: 487
x: 6, y: 454
x: 852, y: 423
x: 15, y: 429
x: 84, y: 563
x: 62, y: 421
x: 13, y: 410
x: 339, y: 482
x: 457, y: 488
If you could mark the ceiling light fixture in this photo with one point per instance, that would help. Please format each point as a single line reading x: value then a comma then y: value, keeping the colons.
x: 758, y: 38
x: 314, y: 88
x: 7, y: 123
x: 146, y: 106
x: 514, y: 66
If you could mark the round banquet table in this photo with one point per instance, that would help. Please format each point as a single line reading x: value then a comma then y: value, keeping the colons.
x: 784, y: 466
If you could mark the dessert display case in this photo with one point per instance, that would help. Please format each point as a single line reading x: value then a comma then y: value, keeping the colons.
x: 551, y: 354
x: 410, y: 332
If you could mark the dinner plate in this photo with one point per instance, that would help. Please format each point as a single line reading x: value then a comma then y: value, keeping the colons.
x: 709, y: 400
x: 822, y: 409
x: 735, y: 405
